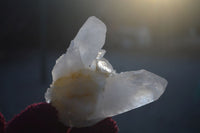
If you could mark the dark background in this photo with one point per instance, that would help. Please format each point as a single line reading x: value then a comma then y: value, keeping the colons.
x: 161, y: 36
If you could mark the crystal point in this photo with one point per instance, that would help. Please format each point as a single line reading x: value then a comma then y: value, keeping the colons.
x: 90, y: 39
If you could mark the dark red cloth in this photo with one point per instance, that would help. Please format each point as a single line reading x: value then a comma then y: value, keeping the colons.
x: 36, y: 118
x: 106, y: 126
x: 2, y: 123
x: 42, y: 118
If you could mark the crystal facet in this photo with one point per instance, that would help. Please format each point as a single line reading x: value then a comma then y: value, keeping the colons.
x: 90, y: 39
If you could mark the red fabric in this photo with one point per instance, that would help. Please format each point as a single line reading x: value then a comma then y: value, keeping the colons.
x: 2, y: 123
x: 36, y: 118
x: 106, y: 126
x: 42, y: 118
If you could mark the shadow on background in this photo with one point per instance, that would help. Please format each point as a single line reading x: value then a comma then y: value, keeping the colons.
x: 161, y: 36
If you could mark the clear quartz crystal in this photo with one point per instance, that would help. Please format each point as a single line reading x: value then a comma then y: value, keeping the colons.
x: 86, y: 88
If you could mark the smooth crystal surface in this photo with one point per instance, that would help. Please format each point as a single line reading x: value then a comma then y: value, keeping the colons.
x: 90, y: 39
x: 129, y: 90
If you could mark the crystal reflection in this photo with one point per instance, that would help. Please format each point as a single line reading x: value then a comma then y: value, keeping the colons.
x: 143, y: 97
x: 104, y: 66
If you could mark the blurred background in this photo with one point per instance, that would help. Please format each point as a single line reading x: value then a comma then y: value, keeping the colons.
x: 161, y: 36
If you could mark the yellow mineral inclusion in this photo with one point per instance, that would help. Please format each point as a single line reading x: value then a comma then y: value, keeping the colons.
x: 77, y: 94
x: 77, y: 85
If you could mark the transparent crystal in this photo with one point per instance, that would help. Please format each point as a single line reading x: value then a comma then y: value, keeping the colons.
x: 90, y: 39
x: 85, y: 87
x: 101, y: 53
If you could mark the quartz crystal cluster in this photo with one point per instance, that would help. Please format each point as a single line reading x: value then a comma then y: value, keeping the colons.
x: 86, y: 89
